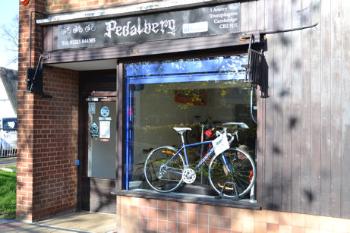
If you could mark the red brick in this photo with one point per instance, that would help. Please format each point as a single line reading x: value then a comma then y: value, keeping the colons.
x: 162, y: 226
x: 37, y: 132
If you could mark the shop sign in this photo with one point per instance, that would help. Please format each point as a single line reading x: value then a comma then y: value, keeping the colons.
x: 204, y: 21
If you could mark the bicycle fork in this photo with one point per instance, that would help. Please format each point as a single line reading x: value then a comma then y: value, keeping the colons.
x: 228, y: 168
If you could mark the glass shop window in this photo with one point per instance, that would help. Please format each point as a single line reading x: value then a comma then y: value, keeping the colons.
x: 200, y: 94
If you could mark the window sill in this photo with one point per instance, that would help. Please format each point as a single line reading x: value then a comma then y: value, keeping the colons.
x: 191, y: 198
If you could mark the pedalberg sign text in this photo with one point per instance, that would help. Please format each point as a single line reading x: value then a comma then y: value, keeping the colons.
x: 205, y: 21
x: 145, y: 27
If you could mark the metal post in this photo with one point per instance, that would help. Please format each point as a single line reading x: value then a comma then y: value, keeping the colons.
x: 202, y: 149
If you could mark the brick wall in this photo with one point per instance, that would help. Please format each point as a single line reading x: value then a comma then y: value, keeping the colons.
x: 56, y: 6
x: 156, y: 216
x: 55, y: 146
x: 25, y: 111
x: 47, y: 133
x: 49, y: 166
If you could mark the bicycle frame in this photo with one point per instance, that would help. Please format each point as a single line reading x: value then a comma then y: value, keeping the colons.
x: 205, y: 157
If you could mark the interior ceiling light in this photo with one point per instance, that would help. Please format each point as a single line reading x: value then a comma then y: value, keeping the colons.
x: 25, y: 2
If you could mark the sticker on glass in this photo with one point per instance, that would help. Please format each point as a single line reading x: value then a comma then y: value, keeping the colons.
x: 105, y: 129
x: 104, y: 111
x: 93, y: 130
x: 92, y: 108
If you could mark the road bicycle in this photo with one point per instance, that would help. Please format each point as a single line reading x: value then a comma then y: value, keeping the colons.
x: 231, y: 171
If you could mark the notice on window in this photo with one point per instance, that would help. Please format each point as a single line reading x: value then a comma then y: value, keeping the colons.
x: 92, y: 107
x: 220, y: 144
x: 105, y: 129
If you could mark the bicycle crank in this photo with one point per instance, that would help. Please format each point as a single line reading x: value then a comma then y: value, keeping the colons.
x: 188, y: 175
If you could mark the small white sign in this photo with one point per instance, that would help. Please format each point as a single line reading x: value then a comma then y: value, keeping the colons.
x: 220, y: 144
x: 188, y: 28
x: 105, y: 129
x: 92, y: 107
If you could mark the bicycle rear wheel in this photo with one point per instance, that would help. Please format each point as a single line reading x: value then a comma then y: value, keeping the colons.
x: 163, y: 169
x: 232, y: 173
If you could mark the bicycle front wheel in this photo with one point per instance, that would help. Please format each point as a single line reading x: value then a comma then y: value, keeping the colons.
x: 232, y: 173
x: 163, y: 169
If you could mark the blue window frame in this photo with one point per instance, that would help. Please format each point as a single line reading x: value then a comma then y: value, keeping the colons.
x: 215, y: 69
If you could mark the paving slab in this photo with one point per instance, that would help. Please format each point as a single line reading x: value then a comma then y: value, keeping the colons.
x: 80, y: 222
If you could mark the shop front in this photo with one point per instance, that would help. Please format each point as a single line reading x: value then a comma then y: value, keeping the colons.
x: 183, y: 117
x: 133, y: 107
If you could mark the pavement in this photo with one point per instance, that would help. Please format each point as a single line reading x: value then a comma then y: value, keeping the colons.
x: 79, y: 222
x: 6, y: 162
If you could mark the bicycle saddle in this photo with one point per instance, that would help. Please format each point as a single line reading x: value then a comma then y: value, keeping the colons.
x: 181, y: 130
x: 238, y: 124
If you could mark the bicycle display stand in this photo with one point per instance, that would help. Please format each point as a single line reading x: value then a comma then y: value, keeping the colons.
x: 236, y: 196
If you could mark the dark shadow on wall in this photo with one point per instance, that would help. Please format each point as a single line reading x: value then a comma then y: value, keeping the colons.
x: 264, y: 82
x: 288, y: 169
x: 102, y: 199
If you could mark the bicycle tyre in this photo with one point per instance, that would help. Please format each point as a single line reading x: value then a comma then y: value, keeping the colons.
x: 236, y: 183
x: 163, y: 180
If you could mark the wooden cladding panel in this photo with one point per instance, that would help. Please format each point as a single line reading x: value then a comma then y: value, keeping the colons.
x: 336, y: 106
x: 345, y: 115
x: 305, y: 133
x: 315, y: 120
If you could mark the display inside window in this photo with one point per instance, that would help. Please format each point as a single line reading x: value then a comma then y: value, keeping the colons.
x: 189, y: 128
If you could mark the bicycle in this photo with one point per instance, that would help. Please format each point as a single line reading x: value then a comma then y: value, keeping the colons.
x: 231, y: 171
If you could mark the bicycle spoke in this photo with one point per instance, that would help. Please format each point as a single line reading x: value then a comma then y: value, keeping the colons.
x: 168, y: 168
x: 231, y: 171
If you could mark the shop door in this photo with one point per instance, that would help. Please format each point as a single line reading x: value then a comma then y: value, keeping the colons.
x: 101, y: 153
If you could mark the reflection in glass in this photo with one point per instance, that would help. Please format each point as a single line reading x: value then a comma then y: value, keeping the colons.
x: 196, y: 93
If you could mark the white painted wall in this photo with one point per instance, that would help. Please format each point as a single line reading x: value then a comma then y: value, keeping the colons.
x: 6, y: 109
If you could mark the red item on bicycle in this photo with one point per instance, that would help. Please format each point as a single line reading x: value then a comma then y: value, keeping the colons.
x: 251, y: 174
x: 208, y: 133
